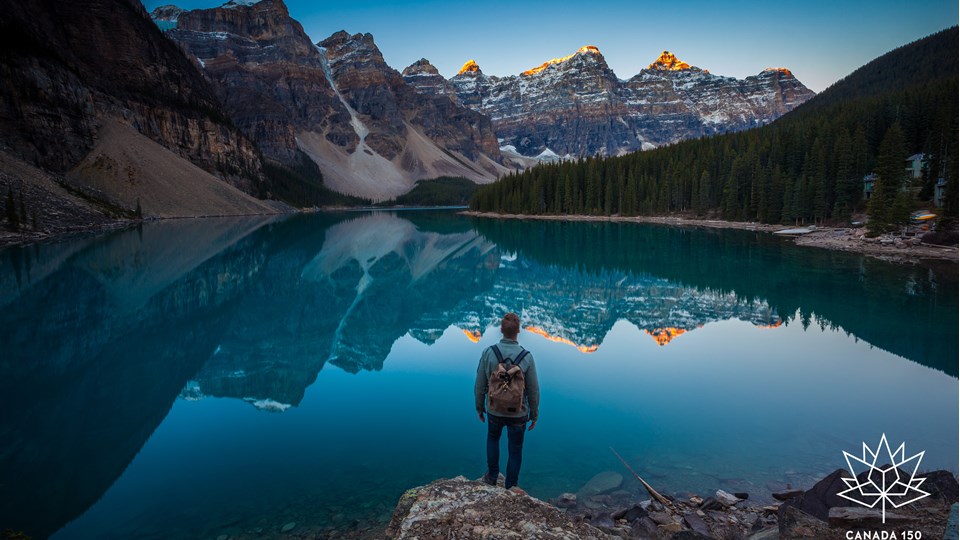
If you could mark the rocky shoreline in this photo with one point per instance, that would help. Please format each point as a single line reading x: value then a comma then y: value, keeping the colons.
x: 464, y: 509
x: 888, y: 247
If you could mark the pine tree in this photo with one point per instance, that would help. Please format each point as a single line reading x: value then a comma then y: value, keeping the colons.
x: 884, y: 211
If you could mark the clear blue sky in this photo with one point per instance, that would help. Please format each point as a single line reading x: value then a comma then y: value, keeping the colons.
x: 820, y: 41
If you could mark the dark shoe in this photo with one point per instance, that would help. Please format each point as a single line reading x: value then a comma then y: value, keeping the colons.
x: 489, y: 480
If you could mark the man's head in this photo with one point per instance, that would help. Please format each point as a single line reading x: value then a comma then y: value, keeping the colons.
x: 510, y: 326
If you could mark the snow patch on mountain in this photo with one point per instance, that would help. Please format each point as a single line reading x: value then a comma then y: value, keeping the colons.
x: 233, y: 4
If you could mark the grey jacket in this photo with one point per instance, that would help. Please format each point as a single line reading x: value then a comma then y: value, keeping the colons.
x: 509, y: 348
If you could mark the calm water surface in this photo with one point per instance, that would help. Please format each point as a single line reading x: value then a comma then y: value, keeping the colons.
x: 198, y: 378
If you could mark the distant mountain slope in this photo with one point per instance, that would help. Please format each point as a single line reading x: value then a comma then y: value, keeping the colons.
x: 807, y: 166
x: 931, y: 58
x: 576, y: 106
x: 69, y: 67
x: 336, y: 103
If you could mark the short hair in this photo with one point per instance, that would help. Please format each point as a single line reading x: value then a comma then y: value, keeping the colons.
x: 510, y: 325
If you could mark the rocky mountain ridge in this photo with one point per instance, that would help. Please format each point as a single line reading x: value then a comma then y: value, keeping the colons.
x: 74, y: 70
x: 577, y: 106
x: 335, y: 104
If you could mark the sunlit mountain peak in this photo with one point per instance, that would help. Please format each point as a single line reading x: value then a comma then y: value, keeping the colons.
x: 783, y: 72
x: 668, y: 62
x: 587, y: 349
x: 472, y: 335
x: 664, y: 335
x: 586, y: 49
x: 470, y: 67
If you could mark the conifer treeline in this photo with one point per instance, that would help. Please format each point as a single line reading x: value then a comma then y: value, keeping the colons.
x: 805, y: 167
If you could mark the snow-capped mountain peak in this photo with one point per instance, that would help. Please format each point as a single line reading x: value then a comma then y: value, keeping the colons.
x: 471, y: 67
x: 586, y: 49
x: 576, y: 105
x: 240, y: 3
x: 667, y: 61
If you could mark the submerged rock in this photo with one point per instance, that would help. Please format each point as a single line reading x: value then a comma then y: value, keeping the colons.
x: 460, y: 508
x: 604, y: 482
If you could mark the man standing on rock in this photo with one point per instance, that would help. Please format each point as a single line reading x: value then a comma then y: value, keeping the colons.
x: 508, y: 391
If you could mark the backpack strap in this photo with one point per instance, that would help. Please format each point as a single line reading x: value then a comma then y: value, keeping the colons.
x: 515, y: 361
x: 499, y: 355
x: 523, y: 352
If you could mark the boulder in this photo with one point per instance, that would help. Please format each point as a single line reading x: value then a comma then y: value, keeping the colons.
x: 818, y: 500
x: 795, y: 523
x: 711, y: 503
x: 942, y: 486
x: 696, y: 523
x: 787, y: 494
x: 726, y: 499
x: 632, y: 513
x: 566, y: 500
x: 855, y: 517
x: 770, y: 533
x: 460, y: 508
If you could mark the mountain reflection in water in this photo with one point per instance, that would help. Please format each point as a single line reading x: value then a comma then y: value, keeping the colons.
x: 101, y: 335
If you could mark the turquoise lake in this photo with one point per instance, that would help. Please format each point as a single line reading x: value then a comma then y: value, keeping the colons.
x: 194, y: 378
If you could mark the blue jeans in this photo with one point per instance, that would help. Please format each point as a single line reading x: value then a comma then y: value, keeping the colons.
x: 515, y: 429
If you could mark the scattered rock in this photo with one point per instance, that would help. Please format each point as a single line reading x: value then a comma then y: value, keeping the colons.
x: 662, y: 518
x: 652, y: 506
x: 604, y: 482
x: 750, y: 519
x: 742, y: 495
x: 632, y: 513
x: 567, y: 500
x: 726, y: 499
x: 942, y: 486
x: 696, y: 523
x: 669, y: 529
x: 818, y: 500
x: 690, y: 535
x: 646, y: 527
x: 855, y: 517
x: 788, y: 494
x: 711, y: 504
x: 795, y: 523
x: 770, y: 533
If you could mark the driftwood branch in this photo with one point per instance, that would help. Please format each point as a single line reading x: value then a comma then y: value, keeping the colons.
x: 653, y: 493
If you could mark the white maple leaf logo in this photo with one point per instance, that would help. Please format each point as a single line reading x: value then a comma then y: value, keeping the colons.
x: 885, y: 484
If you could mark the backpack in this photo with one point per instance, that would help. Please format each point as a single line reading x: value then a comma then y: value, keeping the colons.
x: 506, y: 386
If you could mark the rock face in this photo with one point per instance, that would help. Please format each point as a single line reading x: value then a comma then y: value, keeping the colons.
x: 424, y: 77
x: 459, y: 508
x: 809, y: 514
x: 267, y: 72
x: 577, y: 106
x: 67, y: 66
x: 338, y: 102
